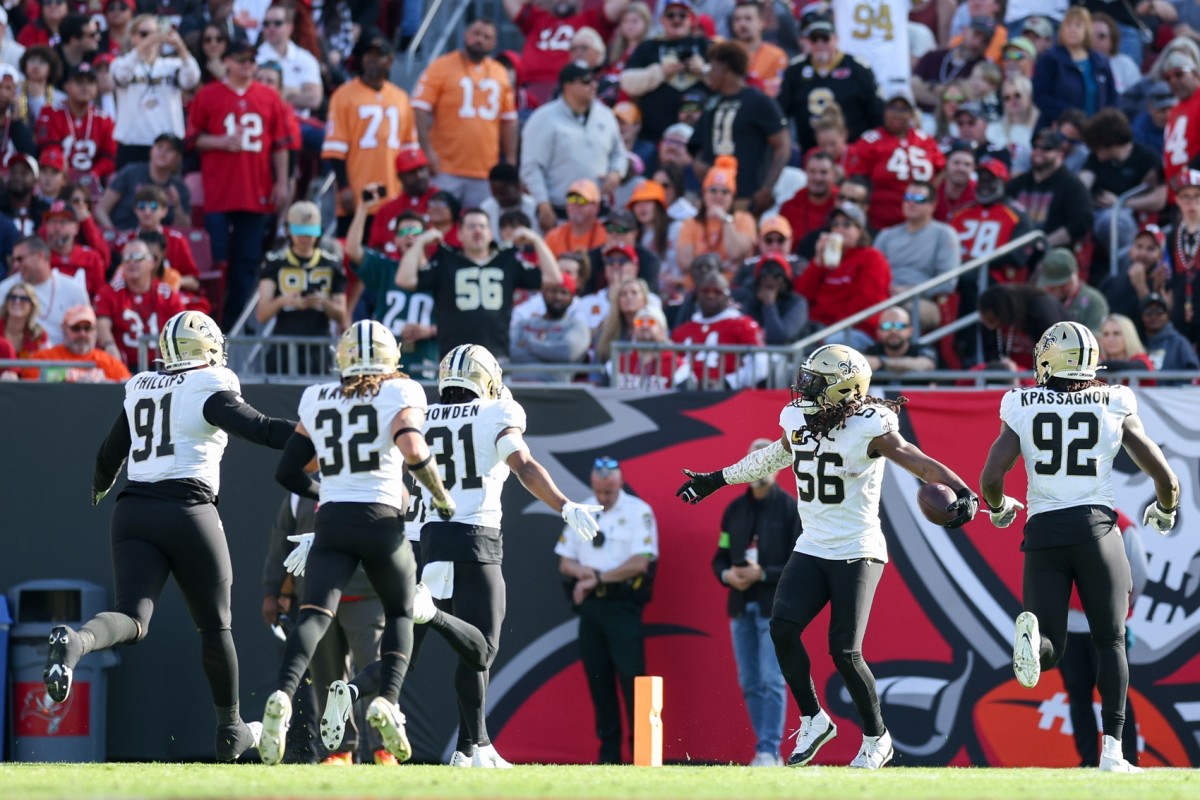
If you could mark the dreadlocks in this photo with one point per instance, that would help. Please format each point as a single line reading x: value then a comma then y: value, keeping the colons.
x: 367, y: 386
x: 831, y: 418
x: 1066, y: 385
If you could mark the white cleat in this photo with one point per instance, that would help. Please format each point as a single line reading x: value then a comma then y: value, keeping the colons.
x: 1027, y: 645
x: 386, y: 718
x: 814, y: 732
x: 461, y: 759
x: 487, y: 758
x: 875, y: 752
x: 423, y: 608
x: 255, y: 731
x: 277, y: 717
x: 338, y: 703
x: 1112, y: 760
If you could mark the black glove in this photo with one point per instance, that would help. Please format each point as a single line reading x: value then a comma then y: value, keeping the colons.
x: 967, y: 505
x: 699, y: 485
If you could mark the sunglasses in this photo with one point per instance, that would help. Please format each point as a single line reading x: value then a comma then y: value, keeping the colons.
x: 410, y: 230
x: 954, y: 98
x: 147, y: 205
x: 577, y: 200
x: 913, y: 197
x: 717, y: 190
x: 1016, y: 55
x: 214, y: 39
x: 1008, y: 97
x: 773, y: 239
x: 644, y: 322
x: 676, y: 16
x: 617, y: 229
x: 841, y: 223
x: 820, y: 36
x: 19, y: 298
x: 605, y: 462
x: 83, y: 327
x: 892, y: 326
x: 274, y: 23
x: 1154, y: 311
x: 616, y: 261
x: 136, y: 257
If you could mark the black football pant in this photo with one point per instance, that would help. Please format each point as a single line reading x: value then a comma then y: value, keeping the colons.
x: 807, y: 585
x: 612, y: 649
x: 1099, y: 571
x: 1078, y: 668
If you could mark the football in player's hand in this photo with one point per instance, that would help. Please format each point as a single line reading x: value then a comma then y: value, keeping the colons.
x: 934, y: 498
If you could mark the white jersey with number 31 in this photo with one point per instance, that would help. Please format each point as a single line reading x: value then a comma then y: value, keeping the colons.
x: 1068, y: 441
x: 838, y: 484
x: 353, y: 439
x: 171, y: 439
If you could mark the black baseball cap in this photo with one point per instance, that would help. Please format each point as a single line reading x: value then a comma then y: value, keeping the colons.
x: 170, y: 139
x: 238, y: 47
x: 573, y: 72
x: 379, y: 44
x: 82, y: 71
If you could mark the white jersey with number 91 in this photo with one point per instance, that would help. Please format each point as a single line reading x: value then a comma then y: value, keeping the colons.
x: 1068, y: 441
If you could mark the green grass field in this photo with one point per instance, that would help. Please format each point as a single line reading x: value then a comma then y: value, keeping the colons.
x: 83, y: 781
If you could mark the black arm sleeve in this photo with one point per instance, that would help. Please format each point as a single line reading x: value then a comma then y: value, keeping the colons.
x: 112, y: 454
x: 277, y: 549
x: 229, y: 412
x: 338, y: 165
x: 290, y: 473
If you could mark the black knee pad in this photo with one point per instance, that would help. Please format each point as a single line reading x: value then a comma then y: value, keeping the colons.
x: 785, y: 632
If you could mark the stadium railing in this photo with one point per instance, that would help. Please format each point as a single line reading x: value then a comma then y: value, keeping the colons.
x: 45, y: 368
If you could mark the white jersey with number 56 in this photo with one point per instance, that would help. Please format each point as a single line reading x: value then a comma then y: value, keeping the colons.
x: 1068, y: 441
x: 353, y: 439
x: 838, y: 484
x: 171, y: 439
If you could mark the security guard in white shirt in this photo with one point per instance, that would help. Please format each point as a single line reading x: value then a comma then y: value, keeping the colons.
x: 611, y: 577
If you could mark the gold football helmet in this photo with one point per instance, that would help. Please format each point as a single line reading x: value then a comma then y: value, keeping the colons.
x: 1066, y: 350
x: 367, y: 348
x: 831, y: 375
x: 191, y: 339
x: 472, y: 367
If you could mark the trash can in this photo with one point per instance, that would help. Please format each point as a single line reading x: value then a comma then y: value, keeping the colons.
x: 42, y: 730
x: 5, y: 619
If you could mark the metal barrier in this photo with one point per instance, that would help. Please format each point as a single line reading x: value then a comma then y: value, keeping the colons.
x: 42, y: 365
x: 1114, y: 250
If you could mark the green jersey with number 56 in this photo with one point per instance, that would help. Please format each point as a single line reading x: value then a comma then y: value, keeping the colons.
x: 838, y: 484
x: 1068, y: 441
x: 353, y: 439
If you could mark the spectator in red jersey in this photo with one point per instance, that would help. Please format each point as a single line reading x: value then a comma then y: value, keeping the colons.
x: 548, y: 34
x: 66, y: 256
x: 991, y: 222
x: 717, y: 321
x: 137, y: 309
x: 90, y: 233
x: 416, y: 191
x: 240, y: 128
x: 117, y: 37
x: 808, y: 209
x: 79, y: 344
x: 892, y: 156
x: 52, y: 174
x: 957, y: 190
x: 838, y: 287
x: 83, y: 131
x: 44, y: 30
x: 150, y: 205
x: 1181, y: 137
x: 648, y: 369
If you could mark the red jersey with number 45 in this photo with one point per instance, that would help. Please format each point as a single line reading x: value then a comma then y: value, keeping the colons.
x: 729, y: 327
x: 1181, y: 138
x: 135, y: 315
x: 892, y: 163
x: 242, y: 180
x: 87, y: 142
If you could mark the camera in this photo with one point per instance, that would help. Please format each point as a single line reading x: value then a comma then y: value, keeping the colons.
x: 373, y: 193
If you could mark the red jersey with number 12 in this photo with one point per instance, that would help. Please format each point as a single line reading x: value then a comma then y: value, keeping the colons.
x: 1181, y: 138
x: 892, y: 163
x: 242, y: 180
x: 87, y: 143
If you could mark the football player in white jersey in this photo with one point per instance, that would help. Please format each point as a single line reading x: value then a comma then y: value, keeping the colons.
x: 1069, y: 428
x: 476, y: 436
x: 835, y: 439
x: 173, y: 429
x: 365, y: 431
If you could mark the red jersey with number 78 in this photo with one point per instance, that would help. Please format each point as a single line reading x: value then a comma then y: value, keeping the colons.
x: 242, y: 180
x: 892, y: 163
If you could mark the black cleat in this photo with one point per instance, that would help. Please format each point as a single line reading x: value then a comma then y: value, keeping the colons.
x: 58, y: 674
x: 234, y: 740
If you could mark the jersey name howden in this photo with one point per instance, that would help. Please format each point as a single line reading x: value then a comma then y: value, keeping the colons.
x: 454, y: 411
x: 1084, y: 398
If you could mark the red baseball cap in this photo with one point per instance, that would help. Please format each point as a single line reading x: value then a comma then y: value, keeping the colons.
x: 59, y: 208
x: 410, y: 159
x: 52, y: 157
x: 568, y: 283
x: 1155, y: 233
x: 625, y: 250
x: 996, y: 167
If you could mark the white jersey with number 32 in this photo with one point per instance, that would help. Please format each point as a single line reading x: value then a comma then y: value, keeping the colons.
x: 353, y: 439
x: 838, y: 484
x: 1068, y: 441
x: 171, y: 439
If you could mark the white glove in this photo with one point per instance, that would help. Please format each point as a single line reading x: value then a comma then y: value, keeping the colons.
x: 295, y: 561
x: 1159, y: 518
x: 578, y: 517
x: 1007, y: 513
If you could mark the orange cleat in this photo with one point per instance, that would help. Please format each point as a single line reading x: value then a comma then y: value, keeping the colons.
x: 385, y: 759
x: 340, y: 759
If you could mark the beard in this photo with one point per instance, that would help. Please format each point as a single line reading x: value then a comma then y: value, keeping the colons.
x: 476, y: 54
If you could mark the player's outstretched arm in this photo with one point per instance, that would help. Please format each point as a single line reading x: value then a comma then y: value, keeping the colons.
x: 534, y: 477
x: 1001, y: 458
x: 406, y: 434
x: 1149, y: 458
x: 229, y: 412
x: 904, y: 453
x: 111, y: 457
x: 292, y: 472
x: 755, y: 465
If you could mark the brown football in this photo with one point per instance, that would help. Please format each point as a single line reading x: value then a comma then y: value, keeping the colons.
x: 933, y: 498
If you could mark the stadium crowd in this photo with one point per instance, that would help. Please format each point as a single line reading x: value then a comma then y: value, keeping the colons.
x: 688, y: 171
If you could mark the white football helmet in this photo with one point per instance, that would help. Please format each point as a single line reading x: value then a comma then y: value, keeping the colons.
x: 831, y: 375
x: 472, y: 367
x: 367, y: 348
x: 1066, y: 350
x: 191, y: 339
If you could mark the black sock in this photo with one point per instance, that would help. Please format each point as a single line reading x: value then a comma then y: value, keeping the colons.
x: 108, y: 629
